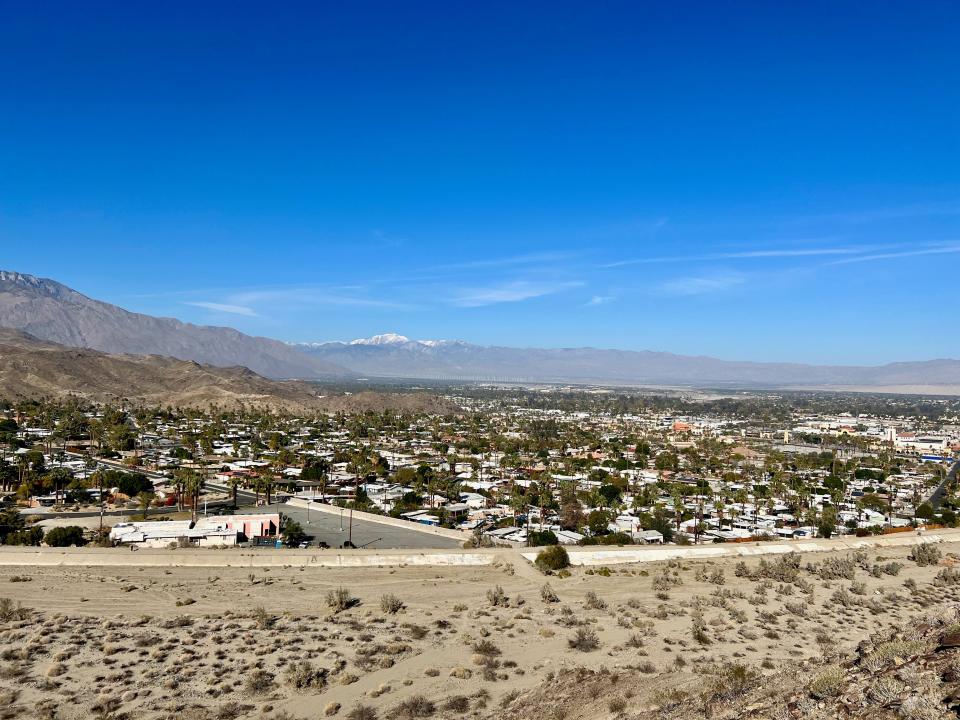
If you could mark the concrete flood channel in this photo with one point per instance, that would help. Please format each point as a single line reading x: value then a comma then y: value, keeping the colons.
x: 236, y: 557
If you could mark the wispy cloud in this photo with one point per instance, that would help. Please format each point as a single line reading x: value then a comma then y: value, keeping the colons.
x: 701, y: 285
x: 300, y: 296
x: 515, y: 291
x: 599, y: 300
x: 224, y: 308
x: 751, y: 254
x: 928, y: 250
x: 895, y: 212
x: 513, y: 260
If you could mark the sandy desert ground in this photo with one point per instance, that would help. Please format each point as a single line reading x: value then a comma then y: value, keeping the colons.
x: 406, y: 642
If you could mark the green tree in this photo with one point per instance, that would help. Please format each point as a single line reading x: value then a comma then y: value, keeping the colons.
x: 65, y: 536
x: 145, y: 499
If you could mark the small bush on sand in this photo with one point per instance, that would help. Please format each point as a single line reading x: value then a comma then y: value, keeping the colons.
x: 457, y: 704
x: 258, y: 682
x: 584, y: 640
x: 304, y: 676
x: 836, y: 568
x: 698, y: 630
x: 263, y: 619
x: 592, y: 601
x: 416, y: 706
x: 548, y: 595
x: 340, y: 599
x: 9, y: 611
x: 926, y: 554
x: 827, y: 684
x: 485, y: 647
x: 617, y: 705
x: 391, y: 604
x: 730, y: 680
x: 552, y: 558
x: 497, y: 597
x: 362, y: 712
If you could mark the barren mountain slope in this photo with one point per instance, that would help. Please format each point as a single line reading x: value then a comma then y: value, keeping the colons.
x: 51, y: 311
x: 30, y: 368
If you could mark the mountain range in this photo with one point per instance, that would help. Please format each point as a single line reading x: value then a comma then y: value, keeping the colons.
x: 50, y: 311
x: 53, y: 312
x: 396, y: 355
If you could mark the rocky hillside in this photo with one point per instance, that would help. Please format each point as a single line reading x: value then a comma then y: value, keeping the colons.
x: 31, y: 368
x: 911, y: 672
x: 53, y: 312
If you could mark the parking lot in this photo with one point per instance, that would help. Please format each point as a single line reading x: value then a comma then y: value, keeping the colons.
x: 327, y: 528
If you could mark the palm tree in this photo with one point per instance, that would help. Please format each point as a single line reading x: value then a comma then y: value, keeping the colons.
x: 145, y: 499
x: 234, y: 483
x: 192, y: 485
x: 719, y: 507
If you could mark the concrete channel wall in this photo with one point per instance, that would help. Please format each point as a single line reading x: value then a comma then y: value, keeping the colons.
x: 242, y: 558
x: 233, y: 557
x: 654, y: 553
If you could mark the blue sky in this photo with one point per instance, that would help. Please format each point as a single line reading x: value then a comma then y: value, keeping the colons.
x: 769, y: 181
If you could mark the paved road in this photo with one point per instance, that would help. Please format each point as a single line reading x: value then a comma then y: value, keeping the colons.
x: 937, y: 497
x: 325, y: 526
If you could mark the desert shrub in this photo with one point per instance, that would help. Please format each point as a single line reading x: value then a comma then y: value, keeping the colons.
x: 617, y: 705
x: 584, y: 640
x: 885, y: 690
x: 262, y: 619
x: 340, y: 599
x: 666, y: 581
x: 828, y: 683
x: 946, y: 577
x: 553, y: 557
x: 362, y: 712
x: 926, y: 554
x: 858, y: 588
x: 457, y: 704
x: 730, y: 681
x: 497, y: 597
x: 304, y: 676
x: 258, y: 682
x: 415, y: 706
x: 783, y: 569
x: 892, y: 568
x: 842, y: 597
x: 9, y: 611
x: 593, y: 601
x: 716, y: 577
x: 548, y: 595
x: 798, y: 609
x: 485, y: 647
x: 698, y: 629
x: 836, y: 568
x: 390, y: 603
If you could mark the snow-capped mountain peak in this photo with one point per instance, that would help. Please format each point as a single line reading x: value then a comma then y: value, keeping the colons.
x: 384, y: 339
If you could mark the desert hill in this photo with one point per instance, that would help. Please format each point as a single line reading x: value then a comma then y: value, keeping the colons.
x: 31, y: 368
